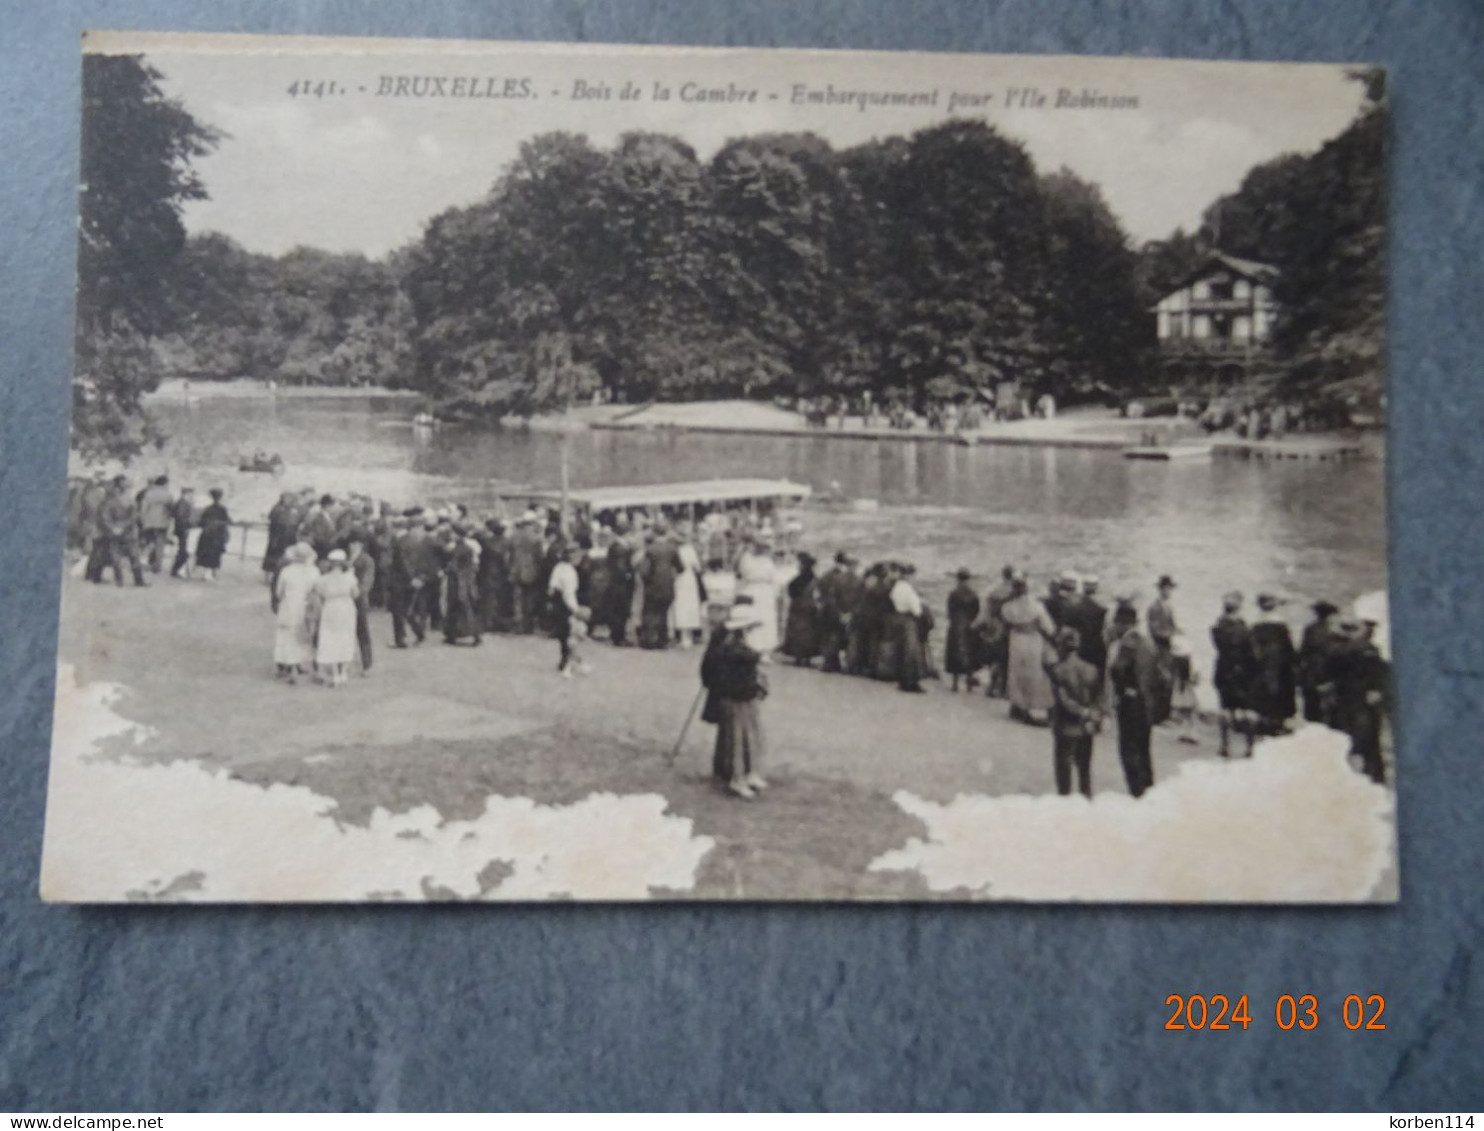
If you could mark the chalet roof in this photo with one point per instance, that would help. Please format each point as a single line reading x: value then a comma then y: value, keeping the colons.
x: 1250, y: 269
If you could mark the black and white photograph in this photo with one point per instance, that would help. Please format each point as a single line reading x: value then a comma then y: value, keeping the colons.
x: 514, y: 472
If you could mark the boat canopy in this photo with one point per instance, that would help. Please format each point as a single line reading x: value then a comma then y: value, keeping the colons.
x: 704, y: 492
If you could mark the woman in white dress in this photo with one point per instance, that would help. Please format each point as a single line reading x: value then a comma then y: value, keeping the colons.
x: 293, y: 644
x: 335, y: 593
x: 685, y: 609
x: 756, y: 579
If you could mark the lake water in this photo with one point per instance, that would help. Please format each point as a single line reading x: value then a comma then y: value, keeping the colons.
x: 1300, y: 528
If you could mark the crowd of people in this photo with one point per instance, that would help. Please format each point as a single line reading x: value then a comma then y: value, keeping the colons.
x: 112, y: 527
x: 735, y: 579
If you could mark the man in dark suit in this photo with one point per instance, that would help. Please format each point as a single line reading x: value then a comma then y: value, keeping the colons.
x: 620, y: 585
x: 658, y: 571
x: 399, y: 578
x: 318, y: 527
x: 839, y: 594
x: 1089, y: 617
x: 183, y: 514
x: 494, y: 577
x: 1076, y: 714
x: 1139, y: 689
x: 526, y: 553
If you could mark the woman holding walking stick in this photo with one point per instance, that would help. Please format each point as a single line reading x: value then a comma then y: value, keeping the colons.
x: 736, y: 687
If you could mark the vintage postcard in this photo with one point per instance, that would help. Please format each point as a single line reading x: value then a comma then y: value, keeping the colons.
x: 527, y: 471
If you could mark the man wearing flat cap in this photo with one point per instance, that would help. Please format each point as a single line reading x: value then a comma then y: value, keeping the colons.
x: 1076, y: 714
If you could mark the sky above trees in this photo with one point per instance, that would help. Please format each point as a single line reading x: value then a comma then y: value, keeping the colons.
x: 358, y: 173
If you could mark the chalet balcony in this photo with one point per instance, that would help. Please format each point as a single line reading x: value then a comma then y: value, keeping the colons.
x: 1209, y: 347
x: 1221, y: 306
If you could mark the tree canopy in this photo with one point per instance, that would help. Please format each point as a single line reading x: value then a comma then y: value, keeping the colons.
x: 779, y: 267
x: 911, y: 267
x: 136, y: 175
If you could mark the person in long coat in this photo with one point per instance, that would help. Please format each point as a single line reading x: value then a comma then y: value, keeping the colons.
x: 283, y: 529
x: 184, y: 513
x: 593, y: 572
x: 657, y: 571
x: 216, y: 526
x: 1140, y: 689
x: 735, y: 688
x: 884, y: 661
x: 1274, y: 683
x: 1090, y: 618
x: 685, y: 610
x: 868, y: 622
x: 906, y: 632
x: 994, y: 634
x: 1361, y: 681
x: 1313, y: 661
x: 960, y: 656
x: 757, y: 578
x: 1076, y: 715
x: 496, y: 601
x: 363, y: 568
x: 802, y: 630
x: 526, y: 553
x: 1233, y: 675
x: 1027, y: 685
x: 839, y: 595
x: 621, y: 586
x: 461, y: 584
x: 293, y: 641
x: 334, y: 598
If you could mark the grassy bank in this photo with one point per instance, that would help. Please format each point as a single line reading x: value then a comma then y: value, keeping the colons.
x: 446, y: 727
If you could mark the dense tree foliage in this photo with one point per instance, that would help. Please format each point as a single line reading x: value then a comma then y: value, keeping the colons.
x: 306, y: 318
x: 913, y: 268
x: 136, y: 175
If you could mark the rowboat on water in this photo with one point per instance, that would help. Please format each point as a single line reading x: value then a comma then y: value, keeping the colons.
x: 261, y: 464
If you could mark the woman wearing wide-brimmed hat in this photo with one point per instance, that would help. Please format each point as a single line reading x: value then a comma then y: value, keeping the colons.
x: 736, y: 688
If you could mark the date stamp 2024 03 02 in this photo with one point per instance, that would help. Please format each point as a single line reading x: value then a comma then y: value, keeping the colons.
x: 1220, y: 1011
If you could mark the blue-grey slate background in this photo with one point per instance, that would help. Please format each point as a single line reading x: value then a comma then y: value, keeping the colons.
x: 148, y: 1008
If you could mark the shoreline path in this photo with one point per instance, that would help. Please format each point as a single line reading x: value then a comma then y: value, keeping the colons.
x: 447, y: 726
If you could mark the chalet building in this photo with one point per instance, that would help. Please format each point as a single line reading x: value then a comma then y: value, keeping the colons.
x: 1214, y: 328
